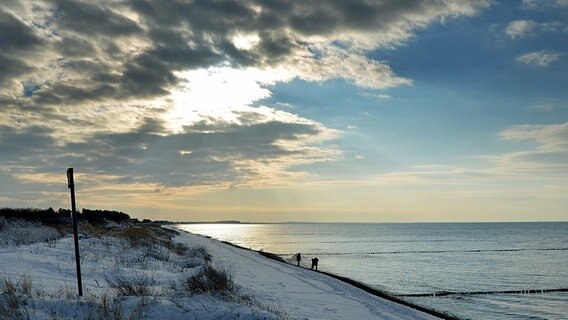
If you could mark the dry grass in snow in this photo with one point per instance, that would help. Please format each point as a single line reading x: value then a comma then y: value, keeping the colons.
x: 131, y: 271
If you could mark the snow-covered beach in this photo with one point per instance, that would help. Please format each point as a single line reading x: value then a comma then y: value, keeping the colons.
x: 128, y: 279
x: 301, y: 293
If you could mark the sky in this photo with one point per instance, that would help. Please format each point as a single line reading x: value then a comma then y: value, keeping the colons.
x: 268, y: 111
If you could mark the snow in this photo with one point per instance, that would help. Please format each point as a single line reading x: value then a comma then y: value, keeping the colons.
x: 24, y: 232
x: 301, y: 293
x: 44, y: 273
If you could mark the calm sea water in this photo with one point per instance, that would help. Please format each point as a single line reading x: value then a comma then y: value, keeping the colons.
x: 431, y: 258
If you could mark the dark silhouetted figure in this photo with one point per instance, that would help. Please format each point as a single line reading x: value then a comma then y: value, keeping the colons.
x: 315, y: 263
x: 298, y: 258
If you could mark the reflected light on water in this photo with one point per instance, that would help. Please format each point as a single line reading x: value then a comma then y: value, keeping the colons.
x: 233, y: 232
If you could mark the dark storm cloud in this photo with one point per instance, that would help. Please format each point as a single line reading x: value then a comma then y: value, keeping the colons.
x: 306, y: 17
x: 95, y: 68
x: 11, y: 68
x: 72, y: 46
x: 34, y: 137
x: 16, y: 41
x: 60, y: 93
x: 275, y: 46
x: 192, y: 157
x: 24, y: 146
x: 205, y: 153
x: 221, y: 18
x: 315, y: 17
x: 87, y: 18
x: 151, y: 72
x: 15, y: 36
x: 202, y: 15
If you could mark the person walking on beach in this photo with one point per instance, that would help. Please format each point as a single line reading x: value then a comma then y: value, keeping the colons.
x: 298, y: 258
x: 315, y: 263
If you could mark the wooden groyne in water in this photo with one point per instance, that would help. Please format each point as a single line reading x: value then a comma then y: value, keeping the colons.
x: 450, y: 293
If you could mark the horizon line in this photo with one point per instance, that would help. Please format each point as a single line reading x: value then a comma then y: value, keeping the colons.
x: 360, y: 222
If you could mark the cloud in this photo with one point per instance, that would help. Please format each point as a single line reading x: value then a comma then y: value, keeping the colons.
x: 375, y: 95
x: 17, y: 40
x: 543, y: 4
x: 83, y: 17
x: 539, y: 58
x: 362, y: 71
x: 134, y: 47
x: 103, y: 65
x: 547, y: 160
x: 123, y: 89
x: 549, y: 137
x: 206, y: 153
x: 22, y: 144
x: 548, y: 106
x: 527, y: 28
x: 521, y: 28
x: 435, y: 175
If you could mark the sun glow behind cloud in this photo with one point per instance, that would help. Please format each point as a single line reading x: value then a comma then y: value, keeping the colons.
x: 221, y: 93
x: 246, y: 41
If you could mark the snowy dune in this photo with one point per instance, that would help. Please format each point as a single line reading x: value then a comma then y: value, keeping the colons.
x: 122, y: 279
x: 38, y: 281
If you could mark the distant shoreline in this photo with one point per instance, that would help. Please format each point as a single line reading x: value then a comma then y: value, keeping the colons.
x: 375, y: 292
x: 214, y: 222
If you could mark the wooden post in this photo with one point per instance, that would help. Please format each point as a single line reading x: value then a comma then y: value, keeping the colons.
x: 71, y: 185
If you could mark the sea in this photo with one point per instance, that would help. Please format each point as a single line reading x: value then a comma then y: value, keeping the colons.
x: 468, y: 270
